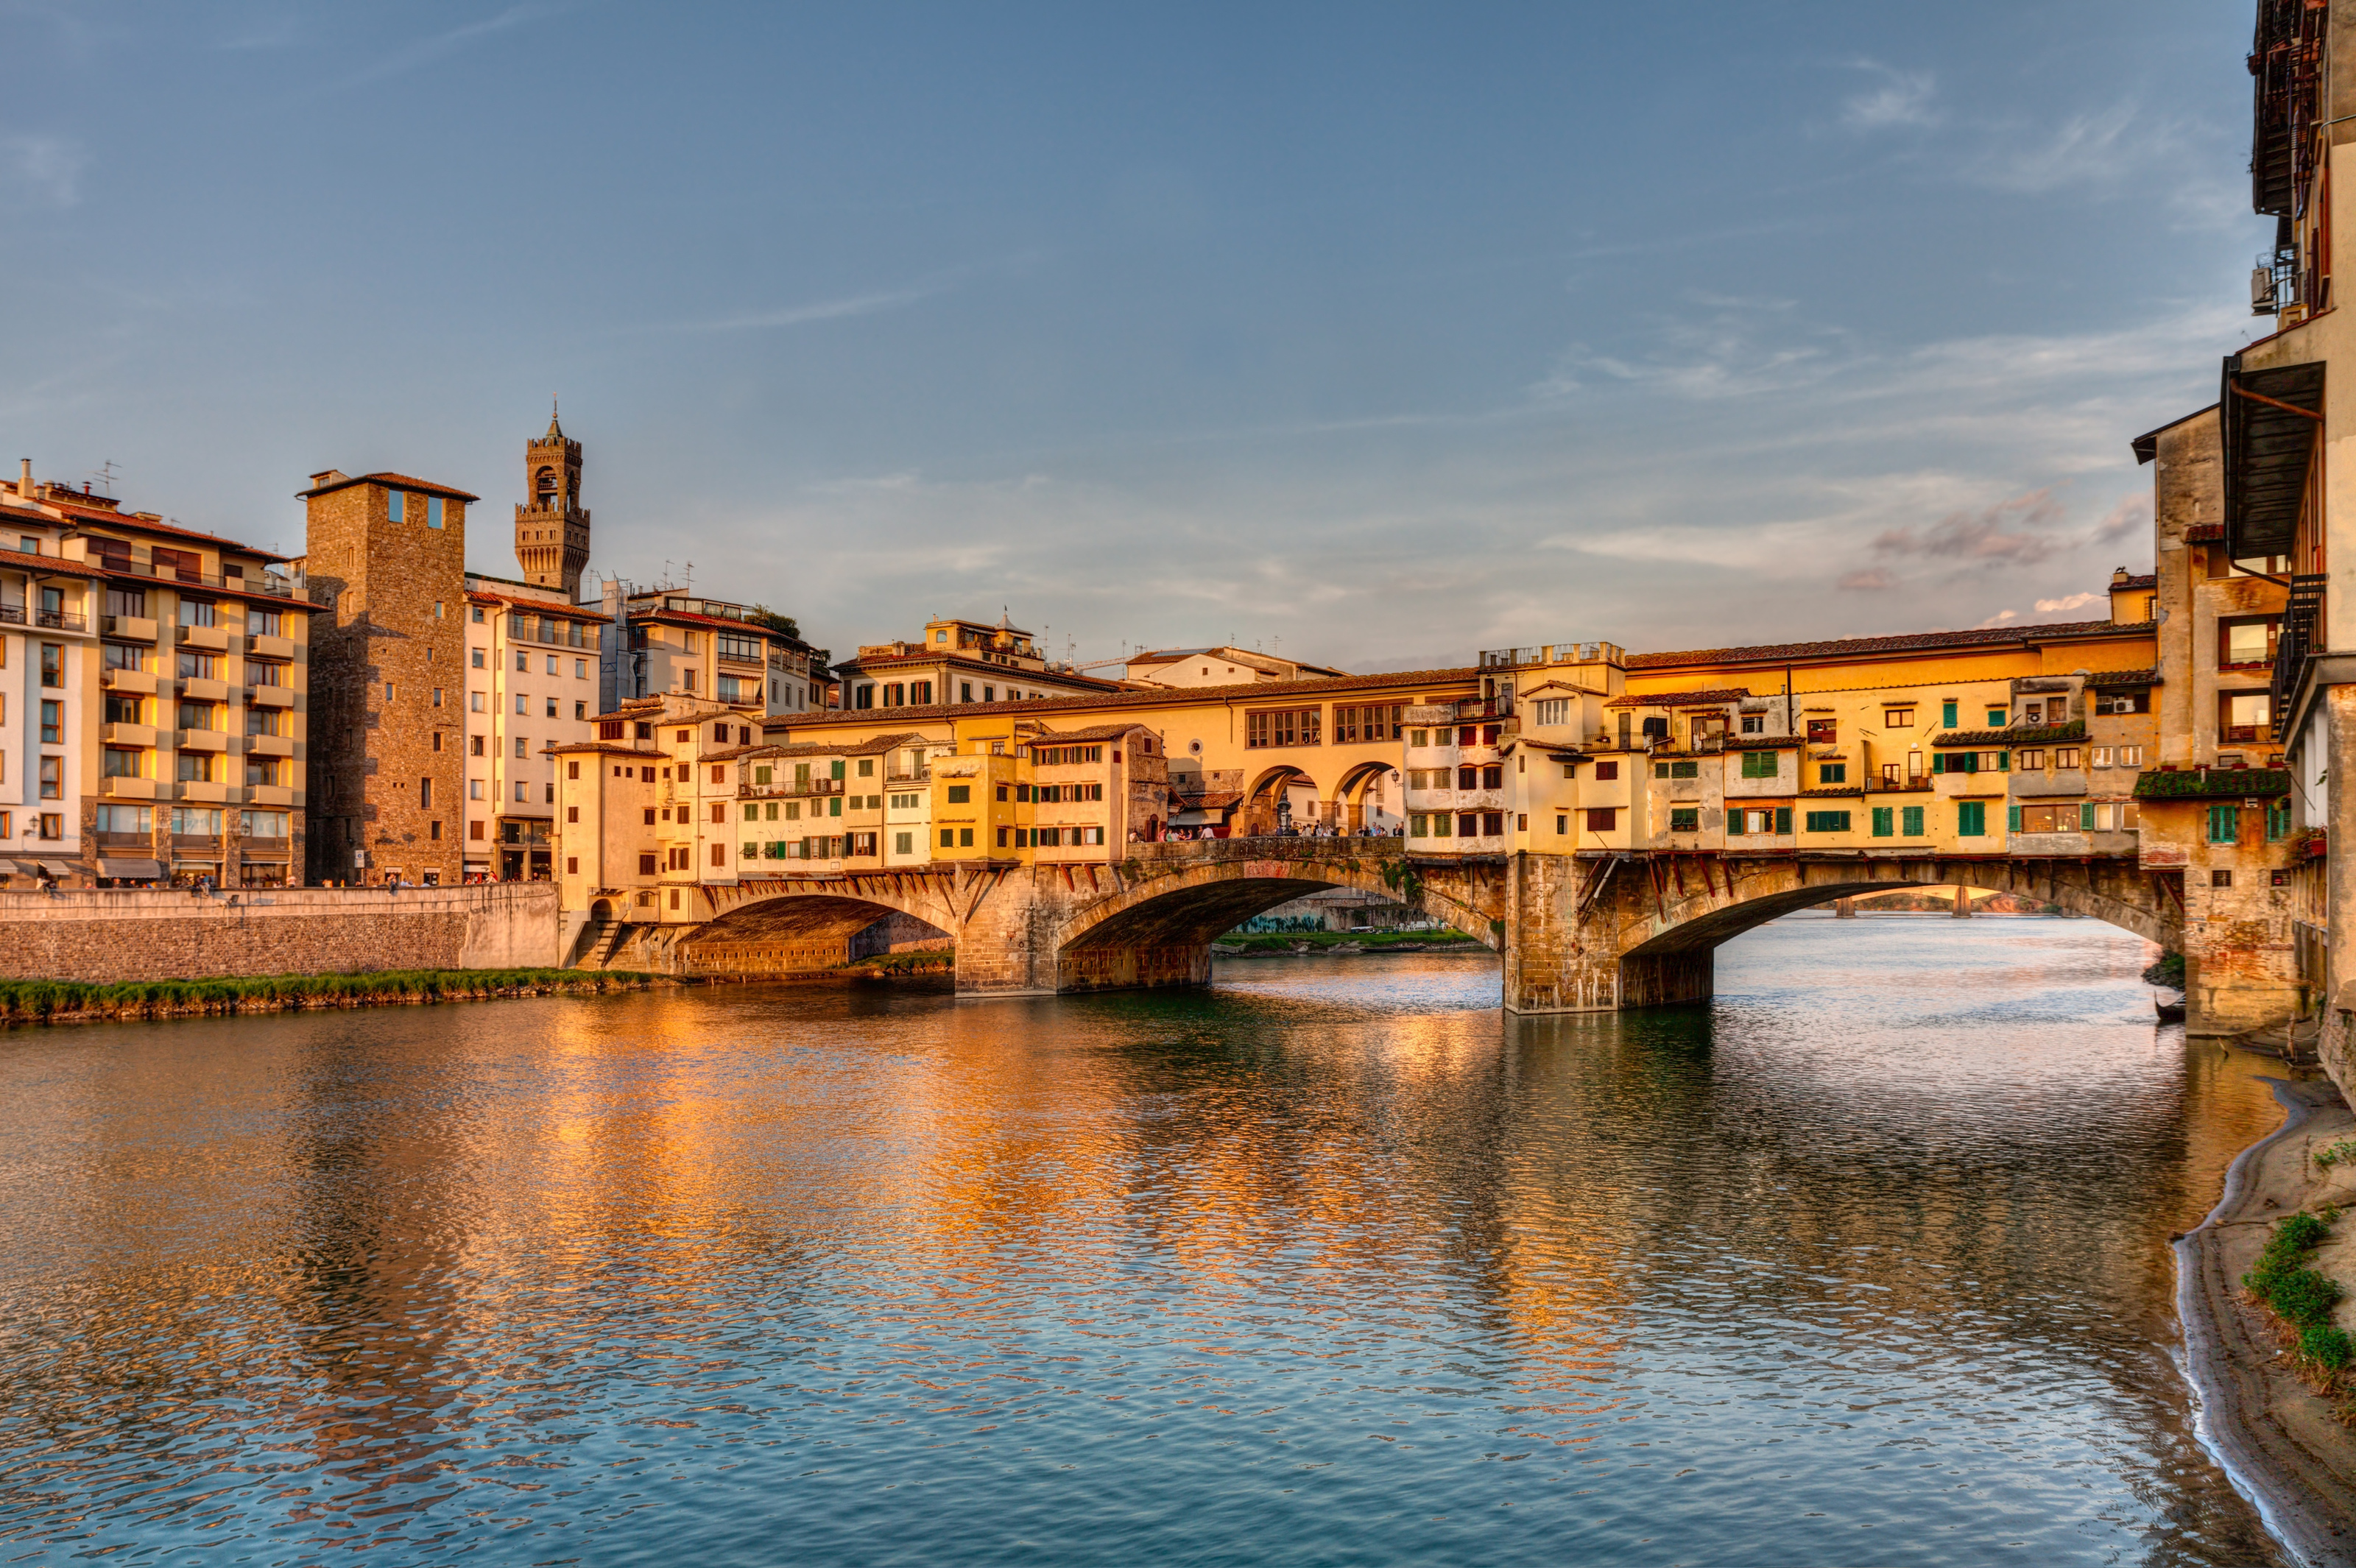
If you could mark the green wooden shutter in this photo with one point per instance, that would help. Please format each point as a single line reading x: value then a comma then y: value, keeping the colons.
x: 1947, y: 715
x: 1782, y: 819
x: 1971, y: 762
x: 1881, y: 821
x: 1938, y: 762
x: 2087, y: 818
x: 1971, y: 818
x: 2012, y: 819
x: 2004, y: 761
x: 1911, y: 821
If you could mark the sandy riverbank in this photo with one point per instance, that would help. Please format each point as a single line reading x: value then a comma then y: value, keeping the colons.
x: 2280, y: 1441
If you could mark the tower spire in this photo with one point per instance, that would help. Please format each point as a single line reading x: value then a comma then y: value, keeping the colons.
x: 551, y: 540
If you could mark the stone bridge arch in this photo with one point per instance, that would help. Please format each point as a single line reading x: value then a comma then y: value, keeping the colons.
x: 1156, y: 927
x: 781, y: 926
x: 1644, y: 930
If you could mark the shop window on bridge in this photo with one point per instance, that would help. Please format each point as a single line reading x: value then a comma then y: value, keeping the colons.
x: 2066, y: 818
x: 1685, y: 819
x: 1762, y: 819
x: 1971, y: 819
x: 1827, y: 821
x: 1759, y: 764
x: 2224, y: 824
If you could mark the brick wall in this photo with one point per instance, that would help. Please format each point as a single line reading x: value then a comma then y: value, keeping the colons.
x: 102, y: 937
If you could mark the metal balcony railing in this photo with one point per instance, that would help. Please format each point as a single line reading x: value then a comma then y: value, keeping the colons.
x: 61, y: 620
x: 2296, y: 643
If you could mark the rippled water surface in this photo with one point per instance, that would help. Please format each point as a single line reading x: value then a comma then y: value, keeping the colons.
x: 1332, y: 1264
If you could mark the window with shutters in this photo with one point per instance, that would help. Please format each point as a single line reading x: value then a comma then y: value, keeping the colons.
x: 1884, y: 822
x: 1909, y: 822
x: 1685, y: 819
x: 1971, y: 818
x: 2224, y: 824
x: 1827, y: 821
x: 1602, y: 818
x: 1759, y: 764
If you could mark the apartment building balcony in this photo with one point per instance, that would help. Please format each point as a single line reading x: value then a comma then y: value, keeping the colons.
x: 128, y: 628
x: 270, y: 697
x: 213, y: 639
x: 902, y: 780
x: 60, y: 620
x: 201, y: 739
x: 207, y: 791
x: 128, y: 735
x: 270, y: 795
x: 262, y: 645
x: 127, y: 789
x: 270, y: 745
x: 199, y: 689
x: 128, y: 680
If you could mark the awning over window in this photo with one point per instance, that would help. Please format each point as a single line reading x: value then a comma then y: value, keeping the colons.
x: 136, y: 870
x: 59, y: 868
x: 2271, y: 419
x: 10, y: 868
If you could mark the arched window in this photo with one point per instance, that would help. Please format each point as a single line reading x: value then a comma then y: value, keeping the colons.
x: 544, y: 486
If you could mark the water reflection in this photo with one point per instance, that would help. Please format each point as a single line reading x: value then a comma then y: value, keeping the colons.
x: 1333, y: 1263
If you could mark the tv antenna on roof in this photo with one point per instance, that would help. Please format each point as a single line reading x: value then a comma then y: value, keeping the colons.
x: 105, y: 473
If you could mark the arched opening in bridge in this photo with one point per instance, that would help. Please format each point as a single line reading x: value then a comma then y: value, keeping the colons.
x: 806, y: 933
x: 1676, y: 963
x: 1161, y: 935
x: 1282, y: 798
x: 1369, y: 799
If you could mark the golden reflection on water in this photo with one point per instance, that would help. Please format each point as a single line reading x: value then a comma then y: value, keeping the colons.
x: 1326, y: 1262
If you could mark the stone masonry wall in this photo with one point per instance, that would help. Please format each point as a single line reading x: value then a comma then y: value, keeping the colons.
x: 102, y: 936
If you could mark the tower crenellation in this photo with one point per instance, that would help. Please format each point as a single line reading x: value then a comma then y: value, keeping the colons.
x: 552, y: 542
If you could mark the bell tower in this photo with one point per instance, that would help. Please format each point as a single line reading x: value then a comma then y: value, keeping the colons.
x: 551, y: 540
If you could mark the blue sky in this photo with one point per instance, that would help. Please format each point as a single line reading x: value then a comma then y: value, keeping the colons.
x: 1377, y: 334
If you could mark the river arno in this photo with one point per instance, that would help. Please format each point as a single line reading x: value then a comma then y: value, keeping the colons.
x: 1333, y: 1265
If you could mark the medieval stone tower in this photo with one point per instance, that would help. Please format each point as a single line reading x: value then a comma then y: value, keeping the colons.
x: 551, y: 540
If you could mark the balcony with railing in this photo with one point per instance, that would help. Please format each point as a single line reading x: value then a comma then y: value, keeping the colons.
x: 2298, y: 642
x: 61, y: 620
x: 789, y: 789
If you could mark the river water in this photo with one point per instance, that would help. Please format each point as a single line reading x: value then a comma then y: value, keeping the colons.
x: 1333, y: 1263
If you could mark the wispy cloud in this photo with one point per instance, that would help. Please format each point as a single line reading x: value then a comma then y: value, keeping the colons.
x: 48, y: 168
x: 2130, y: 519
x: 426, y: 51
x: 1867, y: 580
x: 2093, y: 148
x: 817, y: 310
x: 1903, y: 98
x: 2016, y: 532
x: 2069, y: 601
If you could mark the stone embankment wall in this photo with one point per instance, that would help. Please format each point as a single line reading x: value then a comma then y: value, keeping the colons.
x: 104, y: 935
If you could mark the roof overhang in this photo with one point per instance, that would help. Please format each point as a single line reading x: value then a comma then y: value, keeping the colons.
x: 2271, y: 419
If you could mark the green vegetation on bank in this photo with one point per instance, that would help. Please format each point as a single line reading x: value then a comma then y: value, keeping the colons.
x: 2301, y: 1296
x: 23, y: 1001
x: 1286, y: 941
x: 2168, y: 971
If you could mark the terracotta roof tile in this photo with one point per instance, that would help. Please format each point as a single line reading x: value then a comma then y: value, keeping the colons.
x: 1908, y: 642
x: 391, y: 482
x: 1682, y: 698
x: 1255, y: 692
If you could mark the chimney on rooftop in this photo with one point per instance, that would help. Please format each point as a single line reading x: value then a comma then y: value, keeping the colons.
x: 24, y: 479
